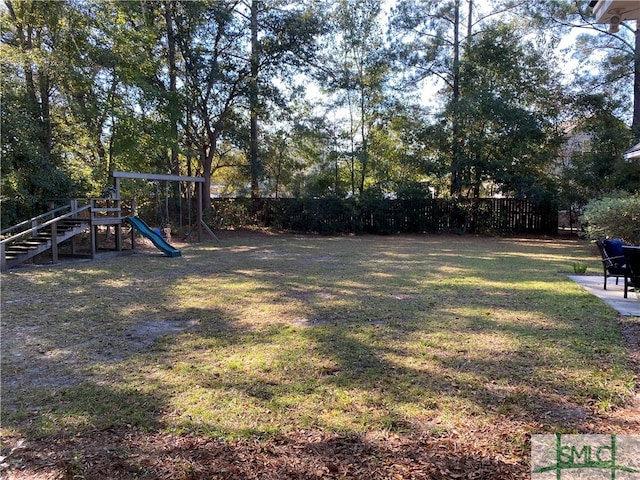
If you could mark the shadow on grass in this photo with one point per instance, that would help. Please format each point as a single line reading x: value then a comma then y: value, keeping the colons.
x: 127, y: 454
x: 413, y: 335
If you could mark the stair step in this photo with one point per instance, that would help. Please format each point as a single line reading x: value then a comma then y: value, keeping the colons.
x: 29, y: 247
x: 47, y: 236
x: 19, y: 249
x: 28, y: 244
x: 37, y: 241
x: 43, y: 240
x: 60, y: 228
x: 25, y: 245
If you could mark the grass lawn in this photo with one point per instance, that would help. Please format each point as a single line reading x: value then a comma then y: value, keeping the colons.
x: 283, y: 356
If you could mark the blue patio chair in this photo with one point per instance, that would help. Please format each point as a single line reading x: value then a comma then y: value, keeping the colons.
x: 632, y: 269
x: 612, y: 259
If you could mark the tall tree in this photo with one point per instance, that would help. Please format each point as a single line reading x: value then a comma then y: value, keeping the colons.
x: 283, y: 42
x: 209, y: 37
x: 510, y: 103
x: 356, y: 69
x: 173, y: 105
x: 34, y: 49
x: 611, y: 59
x: 433, y: 36
x: 254, y: 161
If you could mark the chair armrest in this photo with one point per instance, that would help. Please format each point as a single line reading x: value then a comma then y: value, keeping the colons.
x: 612, y: 259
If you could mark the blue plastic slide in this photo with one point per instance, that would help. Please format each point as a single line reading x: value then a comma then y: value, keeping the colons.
x: 157, y: 240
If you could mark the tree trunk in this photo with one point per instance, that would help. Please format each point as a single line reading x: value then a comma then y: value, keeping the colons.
x: 174, y: 164
x: 173, y: 107
x: 254, y: 161
x: 207, y: 161
x: 45, y: 115
x: 353, y: 148
x: 456, y: 183
x: 635, y: 125
x: 363, y: 132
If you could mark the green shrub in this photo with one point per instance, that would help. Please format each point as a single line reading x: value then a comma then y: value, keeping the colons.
x: 230, y: 213
x: 579, y: 268
x: 613, y: 217
x: 373, y: 213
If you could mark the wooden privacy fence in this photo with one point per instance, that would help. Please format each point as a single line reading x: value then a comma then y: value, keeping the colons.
x: 385, y: 216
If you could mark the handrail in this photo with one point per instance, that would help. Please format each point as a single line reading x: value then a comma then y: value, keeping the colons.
x: 32, y: 230
x: 32, y: 225
x: 34, y: 219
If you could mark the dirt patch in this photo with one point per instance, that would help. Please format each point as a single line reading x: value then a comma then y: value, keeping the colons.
x: 143, y: 334
x: 31, y: 361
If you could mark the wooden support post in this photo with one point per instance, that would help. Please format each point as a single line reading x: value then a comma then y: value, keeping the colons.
x: 209, y: 231
x: 34, y: 228
x: 3, y: 259
x: 200, y: 201
x: 94, y: 230
x: 73, y: 205
x: 118, y: 228
x: 116, y: 197
x: 94, y: 240
x: 54, y: 242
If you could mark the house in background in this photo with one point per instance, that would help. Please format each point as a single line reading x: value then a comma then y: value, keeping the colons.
x: 615, y: 11
x: 633, y: 154
x: 577, y: 141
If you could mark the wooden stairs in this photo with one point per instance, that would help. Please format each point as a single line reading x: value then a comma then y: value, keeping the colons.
x: 23, y: 250
x: 45, y: 232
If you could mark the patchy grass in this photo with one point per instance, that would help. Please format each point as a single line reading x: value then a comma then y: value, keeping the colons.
x: 480, y: 339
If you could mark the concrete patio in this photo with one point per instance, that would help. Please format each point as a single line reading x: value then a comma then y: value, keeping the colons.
x: 613, y: 295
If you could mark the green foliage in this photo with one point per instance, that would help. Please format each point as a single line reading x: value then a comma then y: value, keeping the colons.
x: 500, y: 95
x: 92, y: 87
x: 35, y: 166
x: 358, y: 67
x: 230, y: 214
x: 413, y: 191
x: 579, y: 268
x: 375, y: 213
x: 597, y: 166
x: 507, y: 109
x: 614, y: 217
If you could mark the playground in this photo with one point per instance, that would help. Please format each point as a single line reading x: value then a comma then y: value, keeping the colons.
x: 108, y: 226
x: 289, y: 356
